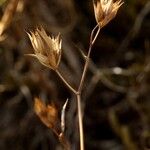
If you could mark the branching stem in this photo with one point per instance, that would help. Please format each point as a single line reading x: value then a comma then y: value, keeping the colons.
x: 65, y: 82
x: 80, y: 87
x: 92, y: 41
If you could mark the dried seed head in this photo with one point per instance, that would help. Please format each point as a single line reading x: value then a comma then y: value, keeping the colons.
x: 47, y: 49
x: 48, y: 114
x: 105, y: 10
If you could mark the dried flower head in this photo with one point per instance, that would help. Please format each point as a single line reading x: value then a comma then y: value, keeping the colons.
x: 47, y: 49
x: 105, y: 10
x: 48, y: 114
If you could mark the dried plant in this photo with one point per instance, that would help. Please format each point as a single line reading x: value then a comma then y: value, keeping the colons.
x: 48, y: 52
x: 114, y: 91
x: 47, y: 49
x: 49, y: 116
x: 105, y: 10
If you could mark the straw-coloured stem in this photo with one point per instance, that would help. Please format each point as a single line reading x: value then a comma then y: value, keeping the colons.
x: 65, y: 82
x: 92, y: 41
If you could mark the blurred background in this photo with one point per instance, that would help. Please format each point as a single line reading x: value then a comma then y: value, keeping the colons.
x: 116, y: 95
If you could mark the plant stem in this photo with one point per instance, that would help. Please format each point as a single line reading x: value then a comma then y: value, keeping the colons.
x: 64, y: 141
x: 88, y: 57
x: 92, y: 41
x: 96, y: 35
x: 78, y: 92
x: 65, y: 82
x: 80, y: 122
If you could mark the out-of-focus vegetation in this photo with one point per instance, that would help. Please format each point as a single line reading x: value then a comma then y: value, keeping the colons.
x: 116, y: 98
x: 2, y: 2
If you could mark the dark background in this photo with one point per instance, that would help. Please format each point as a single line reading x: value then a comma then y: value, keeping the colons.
x: 116, y: 95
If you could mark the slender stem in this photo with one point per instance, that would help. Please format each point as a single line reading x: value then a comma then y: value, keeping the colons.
x: 80, y: 122
x: 92, y: 33
x: 96, y: 36
x: 78, y: 92
x: 62, y: 139
x: 64, y: 142
x: 65, y: 82
x: 92, y: 41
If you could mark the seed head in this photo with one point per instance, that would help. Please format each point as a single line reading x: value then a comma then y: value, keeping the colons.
x: 47, y: 49
x: 105, y: 10
x: 47, y: 113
